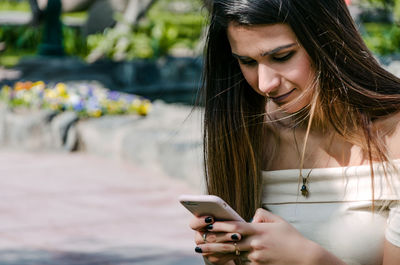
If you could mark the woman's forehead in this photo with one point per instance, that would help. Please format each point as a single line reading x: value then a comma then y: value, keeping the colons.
x: 260, y: 38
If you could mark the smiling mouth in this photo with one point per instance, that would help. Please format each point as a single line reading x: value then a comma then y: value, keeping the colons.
x: 281, y: 98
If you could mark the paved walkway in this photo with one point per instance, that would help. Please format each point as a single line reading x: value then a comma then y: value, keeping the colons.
x: 75, y: 209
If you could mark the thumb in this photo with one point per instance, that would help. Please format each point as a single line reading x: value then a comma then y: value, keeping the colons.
x: 264, y: 216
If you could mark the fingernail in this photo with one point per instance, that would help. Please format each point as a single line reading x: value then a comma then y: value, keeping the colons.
x: 198, y: 250
x: 208, y: 220
x: 235, y: 237
x: 209, y: 227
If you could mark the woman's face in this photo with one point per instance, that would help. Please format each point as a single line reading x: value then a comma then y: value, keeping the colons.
x: 274, y: 64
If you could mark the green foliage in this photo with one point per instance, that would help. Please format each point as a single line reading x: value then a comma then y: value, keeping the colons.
x: 13, y: 5
x: 396, y: 12
x: 392, y: 6
x: 169, y: 31
x: 135, y: 44
x: 20, y: 37
x: 382, y: 39
x: 170, y: 28
x: 10, y: 59
x: 162, y: 30
x: 26, y: 40
x: 378, y: 3
x: 74, y: 42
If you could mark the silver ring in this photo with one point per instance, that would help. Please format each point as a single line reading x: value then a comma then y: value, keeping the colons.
x: 205, y: 237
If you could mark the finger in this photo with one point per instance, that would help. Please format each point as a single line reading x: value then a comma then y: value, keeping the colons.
x: 264, y: 216
x: 221, y: 248
x: 224, y: 248
x: 198, y: 223
x: 246, y: 244
x: 241, y: 228
x: 209, y: 237
x: 218, y: 258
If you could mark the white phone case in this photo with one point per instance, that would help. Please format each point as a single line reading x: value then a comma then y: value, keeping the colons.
x: 210, y: 205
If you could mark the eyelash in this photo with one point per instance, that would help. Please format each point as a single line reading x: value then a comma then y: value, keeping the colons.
x: 249, y: 62
x: 277, y: 59
x: 284, y: 58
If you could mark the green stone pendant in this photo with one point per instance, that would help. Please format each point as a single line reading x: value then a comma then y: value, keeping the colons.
x: 304, y: 190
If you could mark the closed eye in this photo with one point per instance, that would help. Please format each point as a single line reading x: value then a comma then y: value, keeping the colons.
x: 247, y: 62
x: 284, y: 57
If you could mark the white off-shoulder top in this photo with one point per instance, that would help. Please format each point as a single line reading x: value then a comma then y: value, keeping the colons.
x: 337, y: 213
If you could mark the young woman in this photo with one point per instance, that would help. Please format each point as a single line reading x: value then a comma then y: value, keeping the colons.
x: 301, y: 137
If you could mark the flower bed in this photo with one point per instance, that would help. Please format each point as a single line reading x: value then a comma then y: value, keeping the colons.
x: 87, y: 100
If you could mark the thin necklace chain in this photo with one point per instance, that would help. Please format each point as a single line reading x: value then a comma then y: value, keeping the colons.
x: 304, y: 187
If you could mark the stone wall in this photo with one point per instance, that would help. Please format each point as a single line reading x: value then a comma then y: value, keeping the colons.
x: 168, y: 140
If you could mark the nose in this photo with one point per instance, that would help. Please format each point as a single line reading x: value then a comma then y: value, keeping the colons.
x: 268, y: 79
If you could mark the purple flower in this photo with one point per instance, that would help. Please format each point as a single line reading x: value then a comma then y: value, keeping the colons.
x: 90, y: 92
x: 80, y: 106
x: 113, y: 95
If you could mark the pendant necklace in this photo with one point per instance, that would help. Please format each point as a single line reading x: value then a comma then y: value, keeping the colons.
x: 304, y: 187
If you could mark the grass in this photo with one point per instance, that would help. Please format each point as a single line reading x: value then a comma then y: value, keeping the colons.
x: 9, y: 61
x: 6, y: 5
x: 80, y: 15
x: 9, y: 58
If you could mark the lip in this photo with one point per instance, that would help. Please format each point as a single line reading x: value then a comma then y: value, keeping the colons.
x: 279, y: 99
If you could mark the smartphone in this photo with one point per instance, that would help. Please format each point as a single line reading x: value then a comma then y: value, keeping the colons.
x: 204, y: 205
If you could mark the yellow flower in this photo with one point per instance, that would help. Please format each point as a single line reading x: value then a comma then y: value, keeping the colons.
x: 39, y: 84
x: 61, y: 89
x: 95, y: 113
x: 144, y: 108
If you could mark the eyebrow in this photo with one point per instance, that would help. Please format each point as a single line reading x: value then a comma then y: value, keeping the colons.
x: 278, y: 49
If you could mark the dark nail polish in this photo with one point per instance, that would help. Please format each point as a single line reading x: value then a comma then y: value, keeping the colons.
x: 198, y: 250
x: 208, y: 220
x: 235, y: 237
x: 209, y: 227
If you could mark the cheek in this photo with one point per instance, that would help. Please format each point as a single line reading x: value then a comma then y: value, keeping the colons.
x: 306, y: 74
x: 300, y: 71
x: 300, y: 77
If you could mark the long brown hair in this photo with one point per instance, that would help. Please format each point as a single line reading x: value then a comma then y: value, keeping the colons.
x: 353, y: 91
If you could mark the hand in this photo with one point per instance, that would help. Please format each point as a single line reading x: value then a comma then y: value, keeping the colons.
x: 201, y: 225
x: 267, y: 240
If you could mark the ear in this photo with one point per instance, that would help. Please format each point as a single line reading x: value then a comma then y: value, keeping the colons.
x: 264, y: 216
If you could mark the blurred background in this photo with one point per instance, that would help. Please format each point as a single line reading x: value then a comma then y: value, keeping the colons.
x: 98, y: 130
